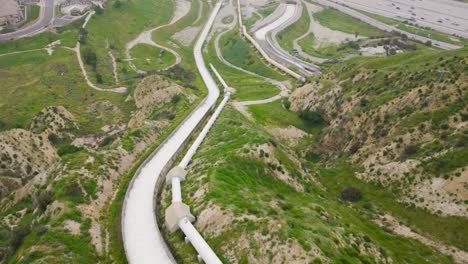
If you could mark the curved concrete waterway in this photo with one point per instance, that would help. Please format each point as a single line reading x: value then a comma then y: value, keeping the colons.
x: 143, y: 241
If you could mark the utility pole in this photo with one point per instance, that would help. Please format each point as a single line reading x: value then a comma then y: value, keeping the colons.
x: 431, y: 99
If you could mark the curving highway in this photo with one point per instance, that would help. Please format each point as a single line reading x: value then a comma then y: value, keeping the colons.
x: 143, y: 241
x: 446, y: 16
x: 45, y: 19
x: 383, y: 26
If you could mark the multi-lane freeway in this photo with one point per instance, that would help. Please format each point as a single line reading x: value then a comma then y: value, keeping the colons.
x: 45, y: 19
x: 383, y: 26
x: 446, y: 16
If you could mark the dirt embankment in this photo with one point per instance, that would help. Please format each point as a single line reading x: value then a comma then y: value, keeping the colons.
x: 30, y: 154
x: 409, y: 157
x: 152, y: 92
x: 63, y: 169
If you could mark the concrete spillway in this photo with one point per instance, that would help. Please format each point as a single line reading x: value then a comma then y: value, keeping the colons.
x: 261, y: 34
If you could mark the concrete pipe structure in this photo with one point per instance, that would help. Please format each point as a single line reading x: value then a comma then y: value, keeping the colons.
x: 178, y: 214
x: 197, y: 241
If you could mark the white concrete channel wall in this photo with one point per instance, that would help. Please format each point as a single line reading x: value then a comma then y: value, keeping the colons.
x: 184, y: 222
x: 260, y: 49
x: 142, y: 239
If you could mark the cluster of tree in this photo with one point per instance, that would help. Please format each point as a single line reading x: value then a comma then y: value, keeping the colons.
x: 117, y: 4
x: 83, y: 35
x: 350, y: 44
x: 180, y: 74
x: 90, y: 58
x: 311, y: 116
x: 11, y: 240
x: 99, y: 10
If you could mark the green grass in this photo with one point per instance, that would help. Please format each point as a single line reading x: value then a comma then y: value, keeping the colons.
x: 35, y: 80
x: 247, y: 87
x: 288, y: 35
x: 336, y: 20
x: 328, y: 51
x: 246, y: 187
x: 113, y: 219
x: 128, y: 22
x: 449, y: 230
x: 274, y: 114
x: 391, y: 78
x: 68, y: 39
x: 239, y: 52
x: 164, y: 35
x: 32, y: 13
x: 264, y: 12
x: 150, y: 58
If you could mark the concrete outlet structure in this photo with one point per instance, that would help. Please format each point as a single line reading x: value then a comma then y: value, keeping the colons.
x: 176, y: 172
x: 177, y: 212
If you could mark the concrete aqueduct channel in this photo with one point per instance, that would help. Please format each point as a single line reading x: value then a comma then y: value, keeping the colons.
x: 142, y: 238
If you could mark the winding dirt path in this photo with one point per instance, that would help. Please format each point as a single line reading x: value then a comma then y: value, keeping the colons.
x: 19, y: 52
x: 182, y: 9
x: 77, y: 50
x: 114, y: 63
x: 114, y: 67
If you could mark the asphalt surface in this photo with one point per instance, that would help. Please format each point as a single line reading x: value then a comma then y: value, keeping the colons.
x: 46, y: 17
x: 142, y: 238
x: 383, y: 26
x: 266, y: 37
x: 447, y: 16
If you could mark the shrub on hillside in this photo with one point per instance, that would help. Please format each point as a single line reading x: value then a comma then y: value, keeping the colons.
x: 19, y: 233
x: 98, y: 10
x: 286, y: 104
x: 73, y: 190
x: 90, y: 57
x: 99, y: 78
x: 117, y: 4
x: 351, y: 194
x: 67, y: 149
x: 408, y: 151
x: 311, y: 116
x: 42, y: 200
x: 179, y: 73
x: 53, y: 138
x: 176, y: 98
x: 83, y: 35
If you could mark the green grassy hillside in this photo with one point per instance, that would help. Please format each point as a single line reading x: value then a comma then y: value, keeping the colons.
x: 400, y: 122
x: 266, y: 212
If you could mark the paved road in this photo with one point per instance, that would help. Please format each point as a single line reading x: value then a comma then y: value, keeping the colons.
x: 46, y: 17
x: 266, y: 37
x: 142, y: 239
x: 384, y: 26
x: 446, y: 16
